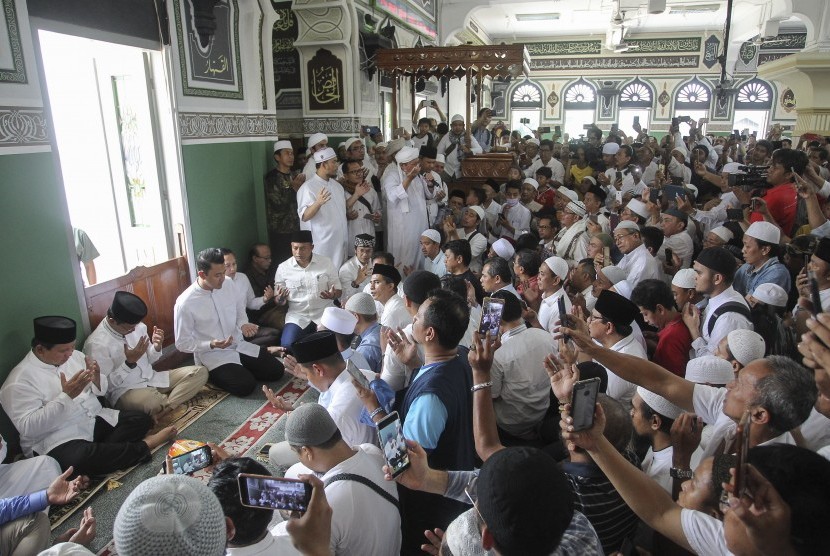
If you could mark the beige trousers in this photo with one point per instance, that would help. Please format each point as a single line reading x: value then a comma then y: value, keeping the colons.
x: 185, y: 382
x: 25, y: 535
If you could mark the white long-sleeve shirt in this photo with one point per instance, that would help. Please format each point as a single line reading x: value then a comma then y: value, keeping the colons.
x: 304, y: 286
x: 106, y: 346
x: 640, y: 265
x: 706, y: 344
x: 245, y: 292
x: 453, y: 166
x: 44, y: 415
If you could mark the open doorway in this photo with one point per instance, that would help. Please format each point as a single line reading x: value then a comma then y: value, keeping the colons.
x: 105, y: 113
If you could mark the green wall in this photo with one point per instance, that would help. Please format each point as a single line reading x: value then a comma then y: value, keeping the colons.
x: 38, y: 278
x: 225, y: 194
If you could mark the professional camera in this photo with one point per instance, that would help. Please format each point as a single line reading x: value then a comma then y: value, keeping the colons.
x: 753, y: 177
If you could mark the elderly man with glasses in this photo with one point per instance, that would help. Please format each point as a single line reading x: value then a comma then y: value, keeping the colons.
x: 637, y: 262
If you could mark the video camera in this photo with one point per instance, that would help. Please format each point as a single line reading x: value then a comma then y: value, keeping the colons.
x: 753, y: 177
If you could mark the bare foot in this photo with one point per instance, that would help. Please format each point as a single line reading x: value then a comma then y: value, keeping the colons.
x: 162, y: 415
x: 155, y: 440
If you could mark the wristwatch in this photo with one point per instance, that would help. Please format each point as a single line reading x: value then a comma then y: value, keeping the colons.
x: 680, y: 473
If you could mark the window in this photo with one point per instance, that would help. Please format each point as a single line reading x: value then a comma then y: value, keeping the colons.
x: 580, y: 107
x: 635, y: 102
x: 526, y: 108
x: 527, y: 95
x: 752, y: 107
x: 694, y: 95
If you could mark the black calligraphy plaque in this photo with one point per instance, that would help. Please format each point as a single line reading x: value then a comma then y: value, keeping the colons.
x: 286, y: 57
x: 213, y: 63
x: 325, y: 82
x: 711, y: 49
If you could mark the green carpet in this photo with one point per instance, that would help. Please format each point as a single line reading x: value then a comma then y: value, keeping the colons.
x: 214, y: 426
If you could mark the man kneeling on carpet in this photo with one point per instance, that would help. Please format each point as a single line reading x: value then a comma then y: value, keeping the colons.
x: 51, y: 398
x: 126, y: 353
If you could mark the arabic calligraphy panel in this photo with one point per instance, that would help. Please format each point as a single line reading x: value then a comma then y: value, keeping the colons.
x: 286, y: 57
x: 325, y: 82
x: 615, y: 63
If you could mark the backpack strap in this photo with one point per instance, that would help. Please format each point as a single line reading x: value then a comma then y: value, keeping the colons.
x: 729, y: 307
x: 364, y: 481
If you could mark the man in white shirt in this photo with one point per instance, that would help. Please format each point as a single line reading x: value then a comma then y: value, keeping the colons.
x: 51, y: 397
x: 343, y: 324
x: 514, y: 217
x: 620, y: 177
x: 384, y: 287
x: 430, y: 162
x: 433, y: 256
x: 362, y: 202
x: 365, y: 517
x: 317, y: 142
x: 321, y: 205
x: 471, y: 219
x: 552, y: 275
x: 573, y: 243
x: 521, y: 386
x: 126, y: 353
x: 652, y: 417
x: 456, y: 145
x: 546, y: 159
x: 265, y: 335
x: 210, y: 323
x: 355, y: 273
x: 675, y: 238
x: 727, y: 310
x: 637, y: 262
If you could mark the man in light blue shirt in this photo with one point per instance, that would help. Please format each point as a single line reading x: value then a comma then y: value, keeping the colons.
x: 760, y: 252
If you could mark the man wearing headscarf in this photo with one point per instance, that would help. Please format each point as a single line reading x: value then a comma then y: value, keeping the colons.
x: 456, y: 145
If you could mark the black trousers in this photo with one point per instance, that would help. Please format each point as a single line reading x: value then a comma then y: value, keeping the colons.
x: 112, y: 448
x: 240, y: 380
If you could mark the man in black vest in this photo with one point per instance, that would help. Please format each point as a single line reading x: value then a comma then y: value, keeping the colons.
x: 436, y: 410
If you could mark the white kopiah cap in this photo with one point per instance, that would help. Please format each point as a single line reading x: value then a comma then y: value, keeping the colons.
x: 326, y: 154
x: 684, y: 278
x: 659, y: 404
x: 503, y: 248
x: 614, y: 274
x: 610, y: 148
x: 457, y: 118
x: 771, y: 294
x: 533, y: 141
x: 351, y: 141
x: 316, y: 138
x: 338, y: 320
x: 764, y: 231
x: 558, y: 266
x: 280, y: 145
x: 745, y: 345
x: 532, y: 182
x: 638, y: 207
x: 627, y: 225
x: 724, y: 233
x: 569, y: 193
x: 361, y: 303
x: 432, y: 234
x: 577, y: 207
x: 709, y: 369
x: 478, y: 210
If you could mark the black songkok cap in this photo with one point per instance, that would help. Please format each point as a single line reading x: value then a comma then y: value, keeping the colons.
x: 389, y: 271
x: 315, y: 347
x: 616, y: 308
x: 428, y: 152
x: 718, y: 259
x: 55, y: 330
x: 599, y: 192
x: 301, y: 236
x: 823, y: 249
x: 128, y: 307
x: 417, y: 285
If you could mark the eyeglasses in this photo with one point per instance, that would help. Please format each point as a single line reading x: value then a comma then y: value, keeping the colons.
x: 618, y: 237
x: 358, y: 171
x: 268, y: 258
x: 596, y: 317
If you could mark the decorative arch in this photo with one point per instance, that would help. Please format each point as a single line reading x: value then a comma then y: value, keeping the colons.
x: 637, y: 94
x: 526, y: 95
x: 693, y: 95
x: 755, y: 94
x: 580, y: 95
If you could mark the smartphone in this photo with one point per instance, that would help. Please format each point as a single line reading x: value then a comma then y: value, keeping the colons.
x: 675, y: 122
x: 192, y: 461
x: 662, y: 169
x: 352, y: 369
x: 545, y: 129
x: 669, y: 257
x: 397, y: 132
x: 734, y: 214
x: 654, y: 195
x: 390, y: 434
x: 671, y: 192
x: 742, y: 435
x: 491, y: 310
x: 677, y: 180
x: 265, y: 449
x: 606, y: 257
x: 619, y: 176
x: 619, y: 196
x: 564, y: 320
x: 636, y: 120
x: 557, y: 130
x: 814, y: 293
x: 583, y: 401
x: 273, y: 493
x: 752, y: 205
x: 615, y: 128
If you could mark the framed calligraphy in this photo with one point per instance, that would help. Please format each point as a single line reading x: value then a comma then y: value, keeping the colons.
x: 286, y: 57
x: 711, y: 51
x: 325, y: 82
x: 12, y: 67
x: 212, y: 70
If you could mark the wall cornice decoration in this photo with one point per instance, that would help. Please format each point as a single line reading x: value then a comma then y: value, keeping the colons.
x: 16, y: 73
x: 564, y: 48
x: 615, y: 63
x: 333, y: 126
x: 680, y: 44
x: 226, y: 126
x: 22, y: 127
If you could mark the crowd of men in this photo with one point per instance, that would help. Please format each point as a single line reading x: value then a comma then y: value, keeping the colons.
x: 687, y: 275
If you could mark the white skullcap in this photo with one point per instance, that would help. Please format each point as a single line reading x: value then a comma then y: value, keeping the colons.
x: 394, y: 146
x: 316, y: 138
x: 610, y: 148
x: 441, y: 158
x: 341, y: 145
x: 361, y: 303
x: 504, y: 249
x: 732, y: 168
x: 678, y: 151
x: 457, y: 118
x: 764, y: 231
x: 577, y: 207
x: 723, y: 232
x: 463, y: 536
x: 684, y: 278
x: 406, y: 154
x: 381, y: 145
x: 627, y: 225
x: 478, y: 210
x: 591, y: 179
x: 691, y: 187
x: 709, y: 369
x: 432, y: 234
x: 338, y: 320
x: 771, y: 294
x: 349, y: 142
x: 570, y: 194
x: 280, y: 145
x: 614, y: 274
x: 326, y: 154
x: 170, y: 515
x: 623, y: 288
x: 534, y: 141
x: 659, y: 404
x: 532, y: 182
x: 558, y: 266
x: 638, y: 207
x: 745, y: 345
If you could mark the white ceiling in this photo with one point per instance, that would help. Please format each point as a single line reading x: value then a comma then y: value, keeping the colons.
x: 498, y: 18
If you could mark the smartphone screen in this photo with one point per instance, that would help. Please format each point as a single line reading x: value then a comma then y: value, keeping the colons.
x: 583, y: 400
x: 735, y: 214
x: 273, y: 493
x: 491, y: 310
x: 390, y: 434
x: 192, y: 461
x: 742, y: 446
x: 606, y: 256
x: 563, y: 315
x: 815, y: 297
x: 356, y: 374
x: 654, y: 195
x: 669, y: 257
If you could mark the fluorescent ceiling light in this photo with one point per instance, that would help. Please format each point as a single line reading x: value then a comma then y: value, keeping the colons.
x: 536, y: 17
